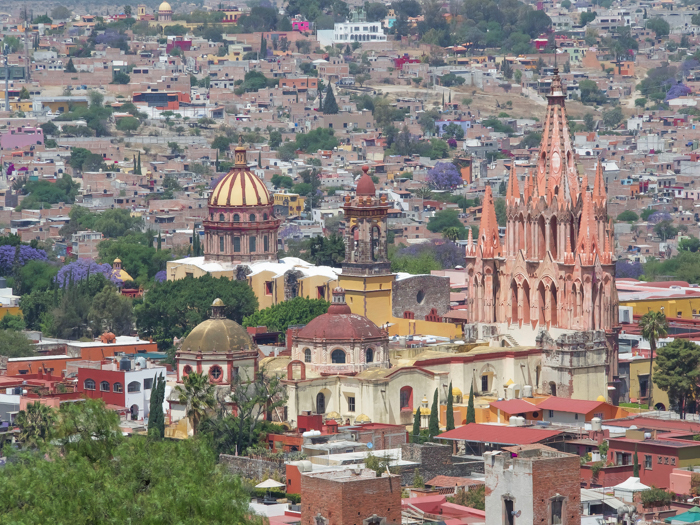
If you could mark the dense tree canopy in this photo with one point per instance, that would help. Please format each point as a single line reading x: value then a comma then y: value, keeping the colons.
x: 297, y: 311
x: 173, y: 308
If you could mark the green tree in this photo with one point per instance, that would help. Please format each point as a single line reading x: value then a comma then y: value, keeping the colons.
x: 89, y: 429
x: 446, y: 219
x: 589, y: 121
x: 434, y: 421
x: 70, y: 67
x: 659, y: 26
x: 449, y: 412
x: 327, y: 251
x: 297, y: 311
x: 640, y: 102
x: 12, y: 322
x: 500, y: 205
x: 128, y: 125
x: 60, y: 13
x: 415, y: 435
x: 613, y: 117
x: 255, y: 398
x: 15, y: 344
x: 471, y: 414
x: 197, y: 395
x: 111, y: 312
x: 628, y: 216
x: 653, y: 326
x: 677, y: 372
x: 635, y: 471
x: 330, y: 106
x: 691, y: 244
x: 36, y: 424
x: 156, y: 418
x: 452, y: 233
x: 474, y: 497
x: 418, y: 481
x: 24, y: 93
x: 665, y: 230
x: 282, y: 181
x: 163, y: 318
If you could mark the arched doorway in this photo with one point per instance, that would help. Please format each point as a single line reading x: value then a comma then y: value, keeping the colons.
x: 134, y: 411
x: 320, y: 403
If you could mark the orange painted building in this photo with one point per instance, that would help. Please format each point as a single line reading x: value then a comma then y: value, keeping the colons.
x: 300, y: 83
x: 77, y: 351
x: 162, y: 100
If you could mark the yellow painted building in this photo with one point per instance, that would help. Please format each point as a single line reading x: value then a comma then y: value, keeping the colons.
x: 677, y: 306
x: 293, y: 202
x: 638, y: 384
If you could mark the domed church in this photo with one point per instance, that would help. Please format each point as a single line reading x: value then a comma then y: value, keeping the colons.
x: 241, y: 226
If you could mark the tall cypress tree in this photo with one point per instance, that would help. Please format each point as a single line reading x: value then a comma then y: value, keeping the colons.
x: 216, y: 164
x: 140, y: 172
x: 259, y: 159
x: 434, y: 422
x: 320, y: 100
x: 156, y: 419
x: 160, y: 242
x: 416, y: 426
x: 449, y: 415
x: 635, y: 471
x: 471, y: 415
x: 136, y: 168
x: 263, y: 48
x: 330, y: 106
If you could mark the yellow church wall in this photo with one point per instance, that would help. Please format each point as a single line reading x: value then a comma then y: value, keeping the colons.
x: 369, y: 296
x: 177, y: 271
x: 401, y: 326
x: 683, y: 307
x: 640, y: 367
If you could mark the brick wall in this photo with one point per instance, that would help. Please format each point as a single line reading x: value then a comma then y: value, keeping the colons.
x: 252, y: 468
x: 557, y: 476
x: 349, y: 498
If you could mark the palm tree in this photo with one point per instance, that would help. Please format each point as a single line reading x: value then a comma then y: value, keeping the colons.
x: 654, y: 326
x: 36, y: 424
x: 197, y: 394
x: 451, y: 233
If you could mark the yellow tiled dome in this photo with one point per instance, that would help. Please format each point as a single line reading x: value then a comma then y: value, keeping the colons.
x: 240, y: 188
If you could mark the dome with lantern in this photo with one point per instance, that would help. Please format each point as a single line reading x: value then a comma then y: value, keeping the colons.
x: 241, y: 226
x: 340, y: 341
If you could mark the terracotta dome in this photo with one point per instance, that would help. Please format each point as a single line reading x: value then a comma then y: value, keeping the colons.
x: 365, y: 186
x: 240, y: 188
x: 340, y: 324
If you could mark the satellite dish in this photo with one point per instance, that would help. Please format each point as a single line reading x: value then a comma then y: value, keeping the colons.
x: 370, y: 445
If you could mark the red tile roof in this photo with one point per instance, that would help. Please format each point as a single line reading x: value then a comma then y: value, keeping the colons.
x: 501, y: 435
x: 574, y: 406
x: 515, y: 406
x: 656, y: 424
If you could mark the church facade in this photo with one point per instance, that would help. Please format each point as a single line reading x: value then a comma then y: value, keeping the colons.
x: 552, y: 281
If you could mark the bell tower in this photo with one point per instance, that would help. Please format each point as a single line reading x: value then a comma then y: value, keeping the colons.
x: 365, y: 230
x: 366, y: 269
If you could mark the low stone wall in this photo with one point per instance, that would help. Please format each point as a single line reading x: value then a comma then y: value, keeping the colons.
x: 253, y: 468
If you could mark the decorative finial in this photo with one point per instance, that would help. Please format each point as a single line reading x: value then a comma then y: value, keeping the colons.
x: 365, y: 168
x: 240, y: 139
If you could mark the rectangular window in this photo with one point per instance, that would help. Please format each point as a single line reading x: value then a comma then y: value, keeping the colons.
x: 351, y: 404
x: 576, y: 417
x: 556, y: 512
x: 252, y: 242
x: 484, y: 381
x: 551, y: 413
x: 148, y: 383
x: 237, y: 244
x: 647, y: 462
x: 643, y: 385
x: 659, y: 460
x: 268, y: 288
x: 221, y: 244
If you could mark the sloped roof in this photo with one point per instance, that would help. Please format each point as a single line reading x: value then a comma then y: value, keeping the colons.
x: 573, y: 406
x: 515, y: 406
x: 501, y: 435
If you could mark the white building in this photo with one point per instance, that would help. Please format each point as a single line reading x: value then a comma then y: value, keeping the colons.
x: 349, y: 32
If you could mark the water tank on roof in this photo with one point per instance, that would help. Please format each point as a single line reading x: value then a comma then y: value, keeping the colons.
x: 140, y: 361
x: 596, y: 424
x: 125, y: 364
x: 521, y: 421
x: 527, y: 391
x: 513, y: 421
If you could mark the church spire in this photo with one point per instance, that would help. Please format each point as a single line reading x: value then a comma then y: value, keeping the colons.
x: 527, y: 191
x: 587, y: 246
x: 489, y: 240
x: 599, y: 194
x: 513, y: 193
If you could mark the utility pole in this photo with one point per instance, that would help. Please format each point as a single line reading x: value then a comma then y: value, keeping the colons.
x: 5, y: 50
x: 27, y: 61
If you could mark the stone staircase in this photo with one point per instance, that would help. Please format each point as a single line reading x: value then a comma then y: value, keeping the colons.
x: 510, y: 340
